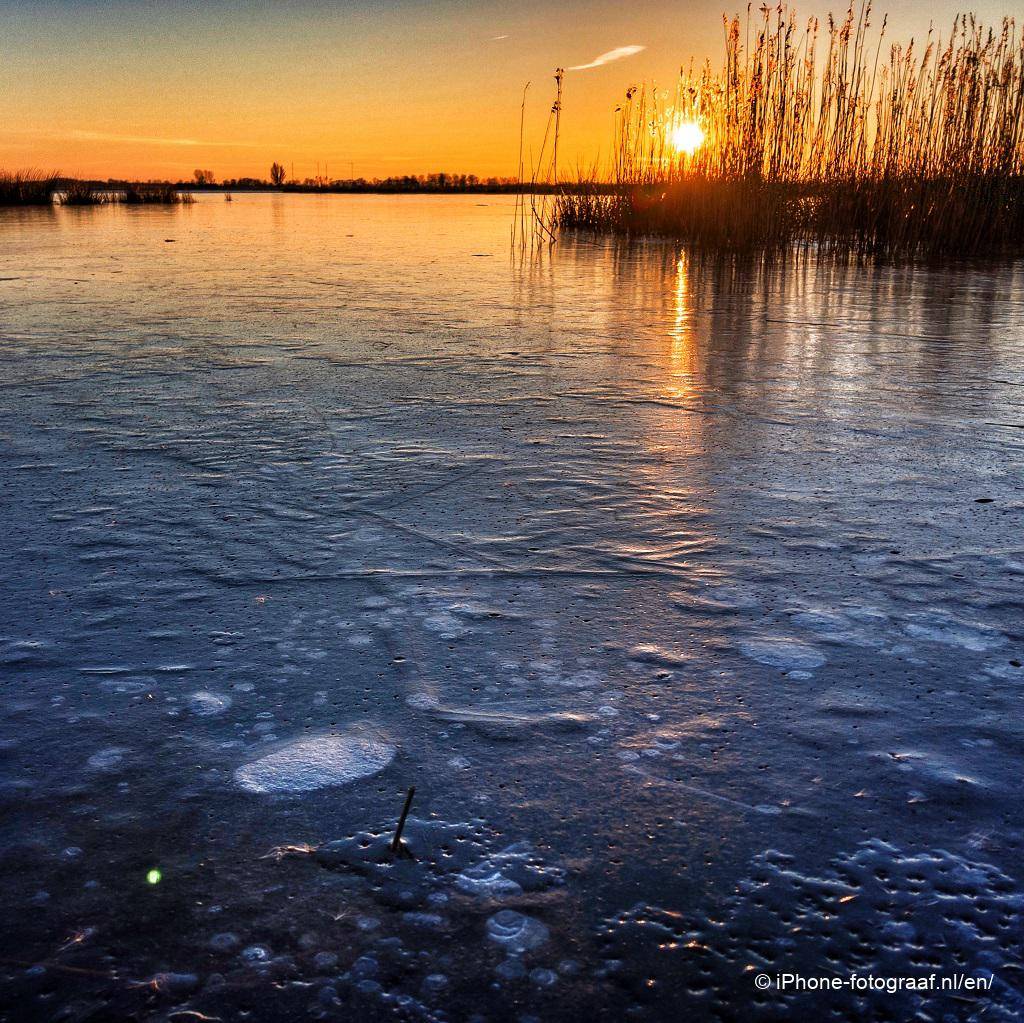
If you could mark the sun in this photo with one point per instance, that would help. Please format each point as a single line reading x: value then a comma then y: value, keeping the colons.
x: 687, y: 137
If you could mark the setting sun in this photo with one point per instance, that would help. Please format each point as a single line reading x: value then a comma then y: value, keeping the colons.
x: 687, y: 137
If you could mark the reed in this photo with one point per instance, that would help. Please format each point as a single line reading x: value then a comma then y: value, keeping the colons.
x: 27, y: 188
x: 541, y: 192
x: 913, y: 150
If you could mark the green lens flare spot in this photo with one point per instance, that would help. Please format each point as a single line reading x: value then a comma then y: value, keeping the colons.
x: 154, y: 876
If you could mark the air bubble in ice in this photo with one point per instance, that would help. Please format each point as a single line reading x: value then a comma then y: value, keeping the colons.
x: 516, y: 931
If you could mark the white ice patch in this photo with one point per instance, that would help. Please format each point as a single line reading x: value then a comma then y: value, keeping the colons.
x: 367, y: 536
x: 938, y: 627
x: 421, y: 701
x: 858, y: 627
x: 106, y: 759
x: 127, y: 686
x: 208, y: 704
x: 472, y: 609
x: 649, y: 653
x: 734, y: 596
x: 446, y: 625
x: 1009, y: 670
x: 318, y: 762
x: 782, y: 652
x: 487, y: 881
x: 578, y: 680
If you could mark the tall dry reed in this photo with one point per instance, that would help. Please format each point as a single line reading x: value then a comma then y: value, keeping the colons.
x: 913, y: 149
x: 27, y: 188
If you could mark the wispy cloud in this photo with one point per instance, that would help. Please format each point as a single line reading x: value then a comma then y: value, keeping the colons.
x: 618, y: 53
x: 147, y: 140
x: 135, y: 140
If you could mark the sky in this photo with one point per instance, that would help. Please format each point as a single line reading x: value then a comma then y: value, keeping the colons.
x: 154, y: 90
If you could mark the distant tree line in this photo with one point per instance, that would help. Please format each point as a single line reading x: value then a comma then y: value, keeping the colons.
x: 428, y: 183
x: 440, y: 182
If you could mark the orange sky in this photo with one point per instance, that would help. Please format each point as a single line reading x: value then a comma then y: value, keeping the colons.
x: 144, y: 90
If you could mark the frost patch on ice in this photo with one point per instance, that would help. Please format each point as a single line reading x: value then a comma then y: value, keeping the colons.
x: 421, y: 701
x: 208, y: 704
x: 844, y: 701
x: 856, y: 626
x: 28, y: 653
x: 106, y: 759
x: 318, y: 762
x: 931, y: 770
x: 447, y: 856
x: 649, y: 653
x: 1011, y: 671
x: 509, y: 719
x: 782, y: 652
x: 446, y: 625
x: 367, y: 536
x: 513, y: 870
x: 127, y: 686
x: 722, y: 596
x: 939, y: 627
x: 474, y: 610
x: 578, y: 680
x: 486, y: 881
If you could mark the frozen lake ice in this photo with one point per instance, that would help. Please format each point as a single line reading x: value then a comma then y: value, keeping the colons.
x: 687, y: 596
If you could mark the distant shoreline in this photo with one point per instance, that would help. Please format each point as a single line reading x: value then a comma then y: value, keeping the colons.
x: 373, y: 188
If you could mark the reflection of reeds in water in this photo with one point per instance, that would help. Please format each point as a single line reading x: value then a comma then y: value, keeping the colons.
x: 81, y: 193
x: 136, y: 195
x: 920, y: 152
x: 26, y: 188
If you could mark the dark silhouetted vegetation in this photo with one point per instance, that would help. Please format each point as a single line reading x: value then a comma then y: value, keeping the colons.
x: 916, y: 153
x: 32, y: 188
x: 428, y: 184
x: 27, y: 188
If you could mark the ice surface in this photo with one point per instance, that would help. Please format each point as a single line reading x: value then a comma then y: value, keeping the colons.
x: 666, y: 577
x: 878, y: 912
